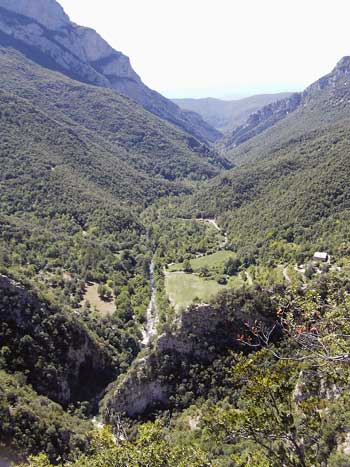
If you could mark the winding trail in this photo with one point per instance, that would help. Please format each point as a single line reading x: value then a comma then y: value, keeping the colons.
x: 152, y: 318
x: 249, y: 278
x: 219, y: 229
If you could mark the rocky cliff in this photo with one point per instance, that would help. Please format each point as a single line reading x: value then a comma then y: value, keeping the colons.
x: 60, y: 358
x: 262, y: 120
x: 42, y: 30
x: 201, y: 335
x: 266, y: 117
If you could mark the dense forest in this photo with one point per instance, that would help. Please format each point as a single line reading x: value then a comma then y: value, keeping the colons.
x: 160, y: 301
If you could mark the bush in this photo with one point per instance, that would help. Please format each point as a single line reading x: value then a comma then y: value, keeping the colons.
x: 221, y: 280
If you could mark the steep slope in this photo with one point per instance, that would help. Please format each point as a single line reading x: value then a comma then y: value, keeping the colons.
x: 78, y: 165
x: 170, y: 376
x: 44, y: 33
x: 70, y: 198
x: 290, y: 195
x: 224, y: 115
x: 61, y: 359
x: 31, y: 423
x: 112, y: 122
x: 268, y: 116
x: 259, y: 121
x: 319, y: 107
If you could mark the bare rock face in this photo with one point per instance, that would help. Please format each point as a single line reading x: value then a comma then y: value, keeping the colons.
x: 43, y: 32
x: 201, y: 334
x: 144, y: 389
x: 136, y: 393
x: 263, y: 119
x: 48, y: 12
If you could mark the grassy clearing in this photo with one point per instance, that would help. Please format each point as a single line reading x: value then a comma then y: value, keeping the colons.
x: 182, y: 289
x: 91, y: 296
x: 213, y: 262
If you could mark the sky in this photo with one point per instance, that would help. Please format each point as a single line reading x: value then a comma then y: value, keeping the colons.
x: 222, y: 48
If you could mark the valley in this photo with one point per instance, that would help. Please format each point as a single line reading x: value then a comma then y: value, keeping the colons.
x: 188, y: 289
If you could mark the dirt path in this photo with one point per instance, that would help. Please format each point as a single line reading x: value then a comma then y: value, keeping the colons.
x: 286, y: 275
x: 214, y: 223
x: 219, y: 229
x: 249, y: 278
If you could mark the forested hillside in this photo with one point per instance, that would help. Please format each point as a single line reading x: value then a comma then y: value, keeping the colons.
x: 114, y: 123
x: 79, y: 164
x: 289, y: 196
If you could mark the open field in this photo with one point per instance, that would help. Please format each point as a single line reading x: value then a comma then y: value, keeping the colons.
x: 92, y: 296
x: 183, y: 288
x: 214, y: 261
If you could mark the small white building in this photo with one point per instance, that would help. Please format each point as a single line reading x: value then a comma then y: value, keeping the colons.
x: 321, y: 256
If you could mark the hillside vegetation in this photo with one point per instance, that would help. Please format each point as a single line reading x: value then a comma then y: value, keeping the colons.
x: 109, y: 122
x: 289, y: 196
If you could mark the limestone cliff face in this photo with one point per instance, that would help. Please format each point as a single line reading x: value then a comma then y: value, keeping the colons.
x: 42, y: 30
x: 50, y: 14
x: 341, y: 70
x: 262, y: 120
x: 201, y: 334
x: 61, y: 359
x: 145, y: 388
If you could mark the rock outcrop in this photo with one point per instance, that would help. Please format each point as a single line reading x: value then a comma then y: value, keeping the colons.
x: 60, y: 358
x: 341, y: 70
x: 262, y: 120
x: 202, y: 334
x: 41, y: 30
x: 144, y: 388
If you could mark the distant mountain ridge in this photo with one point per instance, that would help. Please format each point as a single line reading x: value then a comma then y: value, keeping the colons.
x: 43, y: 32
x: 224, y: 115
x: 262, y: 119
x: 266, y: 117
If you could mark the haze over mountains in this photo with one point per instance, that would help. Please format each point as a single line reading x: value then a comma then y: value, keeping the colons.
x: 224, y: 115
x: 111, y: 194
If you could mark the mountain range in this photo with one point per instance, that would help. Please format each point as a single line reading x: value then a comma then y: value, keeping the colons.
x: 224, y: 115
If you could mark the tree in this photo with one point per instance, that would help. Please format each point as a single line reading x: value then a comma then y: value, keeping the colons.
x: 280, y: 431
x: 232, y: 266
x: 151, y: 448
x: 105, y: 292
x: 221, y: 280
x: 38, y: 461
x: 187, y: 266
x: 204, y: 272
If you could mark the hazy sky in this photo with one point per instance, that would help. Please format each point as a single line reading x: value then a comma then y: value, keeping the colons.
x: 221, y: 48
